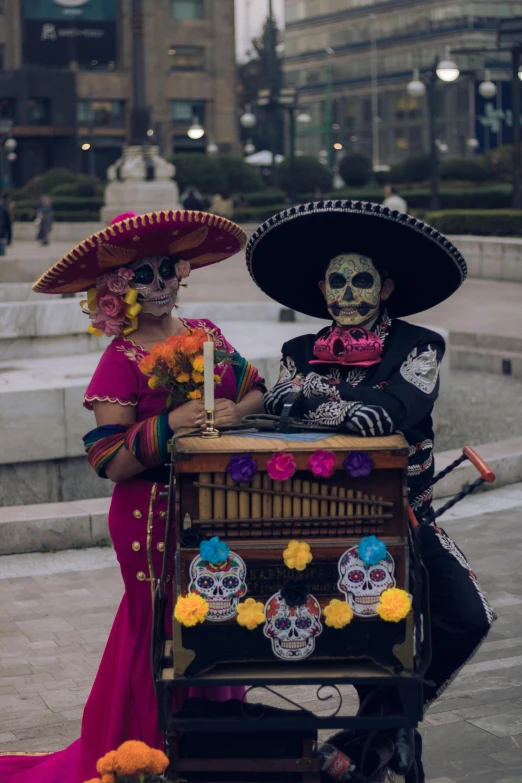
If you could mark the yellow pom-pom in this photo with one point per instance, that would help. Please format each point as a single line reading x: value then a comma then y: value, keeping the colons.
x: 191, y: 609
x: 251, y: 613
x: 195, y: 395
x: 394, y: 604
x: 337, y: 614
x: 297, y: 555
x: 197, y: 377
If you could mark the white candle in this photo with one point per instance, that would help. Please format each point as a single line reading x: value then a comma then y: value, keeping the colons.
x: 208, y: 374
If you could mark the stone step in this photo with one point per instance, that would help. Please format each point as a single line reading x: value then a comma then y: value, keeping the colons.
x: 485, y: 341
x: 498, y: 361
x: 81, y: 523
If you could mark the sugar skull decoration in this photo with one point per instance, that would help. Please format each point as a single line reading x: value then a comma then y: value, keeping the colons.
x: 157, y: 280
x: 219, y: 576
x: 363, y: 578
x: 353, y: 289
x: 292, y: 629
x: 355, y: 347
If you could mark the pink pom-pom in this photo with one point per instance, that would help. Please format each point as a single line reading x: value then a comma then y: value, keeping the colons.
x: 281, y: 466
x: 124, y: 216
x: 322, y: 463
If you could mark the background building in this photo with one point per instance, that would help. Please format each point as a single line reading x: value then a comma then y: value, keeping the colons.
x: 65, y: 78
x: 374, y: 46
x: 250, y: 18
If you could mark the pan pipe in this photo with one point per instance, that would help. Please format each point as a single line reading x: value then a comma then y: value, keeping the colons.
x: 268, y: 508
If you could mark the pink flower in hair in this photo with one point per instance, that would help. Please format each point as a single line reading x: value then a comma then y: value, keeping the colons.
x: 101, y: 282
x: 127, y: 274
x: 111, y: 327
x: 117, y: 284
x: 111, y: 305
x: 182, y: 269
x: 322, y: 463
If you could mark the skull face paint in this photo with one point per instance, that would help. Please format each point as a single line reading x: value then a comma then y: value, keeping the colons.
x: 352, y: 289
x: 157, y: 283
x: 292, y: 629
x: 221, y: 586
x: 364, y: 584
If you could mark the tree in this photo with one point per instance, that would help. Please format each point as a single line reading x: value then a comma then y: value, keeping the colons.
x: 241, y: 177
x: 310, y: 175
x: 355, y: 169
x: 264, y: 71
x: 199, y: 171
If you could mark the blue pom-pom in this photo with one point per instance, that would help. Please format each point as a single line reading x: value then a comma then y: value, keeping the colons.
x: 371, y: 550
x: 214, y: 551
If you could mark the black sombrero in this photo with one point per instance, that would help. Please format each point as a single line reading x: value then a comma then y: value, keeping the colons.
x: 288, y: 254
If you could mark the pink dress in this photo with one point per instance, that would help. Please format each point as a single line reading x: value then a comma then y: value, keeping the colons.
x: 122, y: 703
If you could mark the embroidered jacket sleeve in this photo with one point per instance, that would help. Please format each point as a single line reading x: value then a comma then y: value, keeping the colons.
x: 399, y: 403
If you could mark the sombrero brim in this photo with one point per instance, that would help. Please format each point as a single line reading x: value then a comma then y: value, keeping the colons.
x: 288, y: 255
x: 197, y: 237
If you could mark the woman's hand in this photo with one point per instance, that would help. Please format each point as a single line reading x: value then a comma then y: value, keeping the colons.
x: 190, y: 414
x: 227, y: 413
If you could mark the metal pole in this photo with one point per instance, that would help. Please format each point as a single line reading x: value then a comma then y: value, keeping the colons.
x: 515, y: 105
x: 139, y: 114
x: 431, y: 94
x: 375, y: 97
x: 291, y: 113
x: 328, y: 131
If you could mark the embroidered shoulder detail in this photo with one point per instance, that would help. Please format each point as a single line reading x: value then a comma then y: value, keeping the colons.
x: 90, y: 398
x: 135, y: 353
x: 287, y: 370
x: 421, y: 370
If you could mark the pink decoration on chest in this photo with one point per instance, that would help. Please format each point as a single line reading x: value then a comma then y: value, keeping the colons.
x: 355, y: 346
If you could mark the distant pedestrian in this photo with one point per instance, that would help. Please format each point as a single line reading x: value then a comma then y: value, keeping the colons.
x: 10, y: 206
x: 5, y: 225
x: 193, y: 200
x: 222, y: 204
x: 392, y: 200
x: 44, y: 219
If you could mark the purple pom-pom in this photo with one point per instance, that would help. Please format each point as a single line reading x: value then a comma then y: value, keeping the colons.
x: 358, y: 463
x: 242, y: 467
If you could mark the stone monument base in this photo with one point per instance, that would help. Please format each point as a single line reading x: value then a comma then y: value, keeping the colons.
x: 140, y: 181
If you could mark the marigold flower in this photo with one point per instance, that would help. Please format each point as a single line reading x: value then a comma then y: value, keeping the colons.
x: 106, y: 763
x: 183, y: 377
x: 394, y: 604
x: 297, y: 555
x: 337, y: 614
x: 217, y: 380
x: 195, y: 395
x: 251, y: 613
x: 191, y: 609
x: 197, y: 377
x: 198, y: 363
x: 109, y: 777
x: 136, y: 758
x: 92, y: 780
x: 153, y: 382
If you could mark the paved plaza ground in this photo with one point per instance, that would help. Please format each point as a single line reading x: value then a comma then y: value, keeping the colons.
x: 56, y: 610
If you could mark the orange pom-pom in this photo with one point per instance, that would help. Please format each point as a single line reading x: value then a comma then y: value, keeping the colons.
x: 136, y: 758
x: 158, y: 762
x: 109, y: 777
x: 106, y: 763
x: 92, y: 780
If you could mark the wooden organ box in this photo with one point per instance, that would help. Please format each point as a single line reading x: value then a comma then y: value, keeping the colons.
x: 257, y: 519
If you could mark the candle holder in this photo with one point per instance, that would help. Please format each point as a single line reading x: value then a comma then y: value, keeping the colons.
x: 210, y: 431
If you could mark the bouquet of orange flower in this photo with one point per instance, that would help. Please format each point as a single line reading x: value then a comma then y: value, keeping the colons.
x: 177, y: 365
x: 135, y: 762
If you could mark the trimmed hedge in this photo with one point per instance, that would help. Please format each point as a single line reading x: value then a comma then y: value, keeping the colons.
x: 481, y: 222
x: 355, y: 168
x: 310, y: 175
x: 257, y: 214
x: 465, y: 169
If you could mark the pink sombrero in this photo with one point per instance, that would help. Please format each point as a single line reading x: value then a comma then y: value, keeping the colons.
x: 197, y: 237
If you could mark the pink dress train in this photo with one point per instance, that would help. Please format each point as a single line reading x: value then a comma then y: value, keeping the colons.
x: 122, y: 703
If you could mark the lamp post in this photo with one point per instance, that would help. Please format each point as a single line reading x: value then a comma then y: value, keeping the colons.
x: 328, y: 130
x: 196, y: 131
x: 447, y: 71
x: 10, y: 146
x: 139, y: 123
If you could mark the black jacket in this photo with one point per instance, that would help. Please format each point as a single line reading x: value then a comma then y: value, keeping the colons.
x: 395, y: 395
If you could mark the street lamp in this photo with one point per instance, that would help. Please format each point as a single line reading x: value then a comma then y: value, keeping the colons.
x: 447, y: 71
x: 249, y: 147
x: 247, y: 119
x: 487, y: 88
x: 196, y: 131
x: 212, y: 148
x: 473, y: 143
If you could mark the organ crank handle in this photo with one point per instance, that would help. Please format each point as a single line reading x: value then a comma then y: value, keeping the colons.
x: 482, y: 467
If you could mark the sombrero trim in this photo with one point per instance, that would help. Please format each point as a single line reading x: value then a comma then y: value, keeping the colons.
x: 140, y: 221
x: 357, y: 208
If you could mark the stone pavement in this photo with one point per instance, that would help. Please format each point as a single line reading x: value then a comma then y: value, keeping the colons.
x: 56, y: 611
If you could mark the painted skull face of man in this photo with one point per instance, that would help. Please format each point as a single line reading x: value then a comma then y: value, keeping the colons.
x: 157, y: 283
x: 353, y: 289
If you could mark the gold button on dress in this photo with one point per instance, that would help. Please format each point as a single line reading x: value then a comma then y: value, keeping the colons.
x: 160, y: 546
x: 163, y: 514
x: 137, y: 513
x: 141, y: 576
x: 136, y: 546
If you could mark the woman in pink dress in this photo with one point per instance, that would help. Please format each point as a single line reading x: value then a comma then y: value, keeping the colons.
x: 129, y: 447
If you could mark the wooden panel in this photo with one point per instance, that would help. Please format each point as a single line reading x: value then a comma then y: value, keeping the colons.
x: 243, y: 443
x: 208, y: 462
